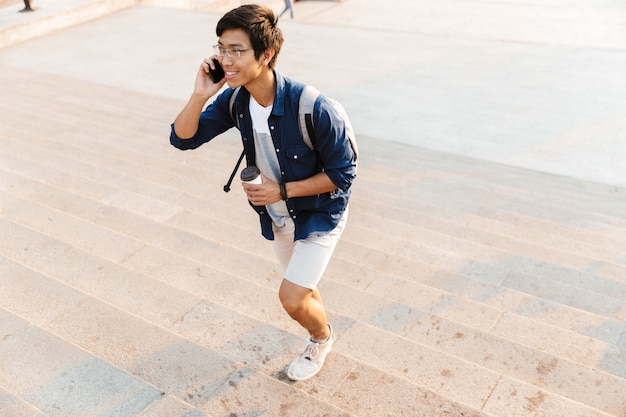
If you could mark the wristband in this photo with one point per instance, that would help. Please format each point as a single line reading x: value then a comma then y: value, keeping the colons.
x: 283, y: 190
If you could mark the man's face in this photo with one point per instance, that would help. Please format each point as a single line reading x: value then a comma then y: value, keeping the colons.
x: 243, y: 69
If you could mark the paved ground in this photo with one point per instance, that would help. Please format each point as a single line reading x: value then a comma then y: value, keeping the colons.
x: 483, y: 271
x: 537, y: 85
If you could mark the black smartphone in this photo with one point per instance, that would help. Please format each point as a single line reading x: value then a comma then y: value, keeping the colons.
x: 218, y: 73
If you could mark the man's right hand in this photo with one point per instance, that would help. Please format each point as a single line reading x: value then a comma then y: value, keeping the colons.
x: 186, y: 123
x: 205, y: 86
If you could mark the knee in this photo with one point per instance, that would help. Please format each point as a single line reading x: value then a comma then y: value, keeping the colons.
x: 292, y: 303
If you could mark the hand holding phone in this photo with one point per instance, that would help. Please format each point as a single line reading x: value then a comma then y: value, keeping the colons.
x: 218, y: 73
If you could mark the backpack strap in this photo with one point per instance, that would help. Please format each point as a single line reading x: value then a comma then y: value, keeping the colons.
x: 231, y: 106
x: 233, y: 116
x: 305, y: 115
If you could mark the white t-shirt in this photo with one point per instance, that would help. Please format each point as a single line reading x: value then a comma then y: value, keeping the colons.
x: 266, y: 159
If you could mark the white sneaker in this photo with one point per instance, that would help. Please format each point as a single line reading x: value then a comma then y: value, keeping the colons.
x: 310, y: 361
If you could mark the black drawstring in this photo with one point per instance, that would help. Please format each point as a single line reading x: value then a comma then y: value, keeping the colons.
x: 230, y: 180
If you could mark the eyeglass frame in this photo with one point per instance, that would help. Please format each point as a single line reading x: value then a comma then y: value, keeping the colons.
x: 230, y: 53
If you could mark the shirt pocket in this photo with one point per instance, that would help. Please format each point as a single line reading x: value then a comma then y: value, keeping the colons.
x: 303, y: 160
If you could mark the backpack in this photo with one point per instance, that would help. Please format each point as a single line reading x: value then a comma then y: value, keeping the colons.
x: 308, y: 97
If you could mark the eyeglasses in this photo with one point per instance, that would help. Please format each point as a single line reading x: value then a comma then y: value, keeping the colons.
x: 231, y: 53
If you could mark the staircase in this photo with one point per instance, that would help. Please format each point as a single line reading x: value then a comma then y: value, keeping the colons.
x: 133, y: 286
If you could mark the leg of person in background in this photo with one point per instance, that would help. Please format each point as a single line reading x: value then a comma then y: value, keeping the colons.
x: 288, y: 6
x: 27, y: 7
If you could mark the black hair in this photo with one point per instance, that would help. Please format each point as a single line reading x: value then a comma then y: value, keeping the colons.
x: 260, y: 23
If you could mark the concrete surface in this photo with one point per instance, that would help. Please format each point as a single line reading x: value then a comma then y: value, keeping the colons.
x: 482, y: 272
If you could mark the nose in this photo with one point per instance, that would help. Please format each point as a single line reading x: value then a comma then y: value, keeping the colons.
x: 224, y: 59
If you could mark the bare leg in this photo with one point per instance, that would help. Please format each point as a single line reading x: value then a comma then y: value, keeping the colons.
x: 306, y: 307
x: 317, y: 296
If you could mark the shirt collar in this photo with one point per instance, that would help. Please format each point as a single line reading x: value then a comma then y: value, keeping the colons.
x: 279, y: 99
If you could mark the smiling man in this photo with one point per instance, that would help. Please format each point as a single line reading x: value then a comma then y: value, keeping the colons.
x: 303, y: 200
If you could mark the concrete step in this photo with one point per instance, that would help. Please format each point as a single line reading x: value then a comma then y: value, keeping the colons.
x: 570, y: 244
x: 82, y: 154
x: 578, y: 276
x: 152, y: 262
x: 276, y: 314
x: 604, y: 260
x: 563, y: 200
x: 87, y: 155
x: 188, y: 221
x: 126, y: 254
x: 139, y: 228
x: 146, y: 351
x: 206, y: 323
x: 430, y: 212
x: 195, y: 325
x: 77, y: 111
x: 81, y: 218
x: 13, y: 406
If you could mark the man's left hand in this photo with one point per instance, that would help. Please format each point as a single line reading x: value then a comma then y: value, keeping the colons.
x: 262, y: 194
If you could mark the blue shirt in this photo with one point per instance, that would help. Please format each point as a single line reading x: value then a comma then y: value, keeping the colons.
x: 312, y: 215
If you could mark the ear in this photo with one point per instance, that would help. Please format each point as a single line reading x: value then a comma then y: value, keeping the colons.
x: 268, y: 55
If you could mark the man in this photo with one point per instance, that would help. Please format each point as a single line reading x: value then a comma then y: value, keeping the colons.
x: 303, y: 200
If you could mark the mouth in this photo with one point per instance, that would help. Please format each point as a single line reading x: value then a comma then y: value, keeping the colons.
x: 230, y: 74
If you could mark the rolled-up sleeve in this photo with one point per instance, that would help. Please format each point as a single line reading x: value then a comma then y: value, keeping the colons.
x: 333, y: 145
x: 214, y: 120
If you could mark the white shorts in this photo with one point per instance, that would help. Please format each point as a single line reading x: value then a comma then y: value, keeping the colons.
x: 304, y: 261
